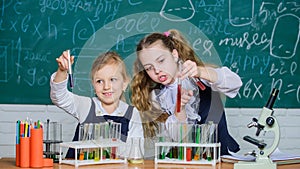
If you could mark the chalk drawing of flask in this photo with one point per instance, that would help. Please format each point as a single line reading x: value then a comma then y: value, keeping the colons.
x: 241, y: 13
x: 177, y: 10
x: 283, y: 42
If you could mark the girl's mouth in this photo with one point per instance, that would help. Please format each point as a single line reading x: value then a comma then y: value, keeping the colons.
x: 108, y: 94
x: 162, y: 78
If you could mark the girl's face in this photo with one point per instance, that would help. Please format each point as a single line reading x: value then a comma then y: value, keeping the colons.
x: 159, y: 63
x: 109, y: 84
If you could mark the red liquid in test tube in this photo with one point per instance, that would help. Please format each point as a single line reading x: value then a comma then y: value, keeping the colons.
x: 199, y: 83
x: 178, y: 103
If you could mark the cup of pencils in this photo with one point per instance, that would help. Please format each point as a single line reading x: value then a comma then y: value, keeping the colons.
x: 29, y: 144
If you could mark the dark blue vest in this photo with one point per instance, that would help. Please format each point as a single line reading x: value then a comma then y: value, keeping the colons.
x: 210, y: 102
x: 92, y: 118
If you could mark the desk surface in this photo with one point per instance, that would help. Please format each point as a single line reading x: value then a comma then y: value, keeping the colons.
x: 9, y: 163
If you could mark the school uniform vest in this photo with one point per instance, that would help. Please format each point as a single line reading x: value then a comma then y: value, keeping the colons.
x: 92, y: 118
x: 210, y: 98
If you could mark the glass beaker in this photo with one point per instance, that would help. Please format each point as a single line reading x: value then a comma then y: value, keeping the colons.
x: 135, y: 154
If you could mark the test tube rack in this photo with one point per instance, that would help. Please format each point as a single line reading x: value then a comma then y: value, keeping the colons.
x: 215, y: 147
x: 52, y: 138
x: 91, y: 144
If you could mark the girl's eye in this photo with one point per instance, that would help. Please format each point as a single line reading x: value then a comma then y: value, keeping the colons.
x: 100, y: 81
x: 161, y: 60
x: 113, y: 79
x: 148, y: 68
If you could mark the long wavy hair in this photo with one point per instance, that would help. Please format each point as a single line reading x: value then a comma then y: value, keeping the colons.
x: 142, y: 85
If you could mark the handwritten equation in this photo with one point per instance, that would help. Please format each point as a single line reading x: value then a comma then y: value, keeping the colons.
x: 259, y: 40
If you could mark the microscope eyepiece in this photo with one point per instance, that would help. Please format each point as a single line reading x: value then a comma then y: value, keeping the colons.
x: 272, y: 98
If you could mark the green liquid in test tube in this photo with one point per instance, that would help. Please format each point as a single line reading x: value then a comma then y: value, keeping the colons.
x: 162, y: 152
x: 197, y: 154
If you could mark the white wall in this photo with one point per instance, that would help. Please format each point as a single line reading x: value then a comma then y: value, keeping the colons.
x: 237, y: 120
x: 288, y: 120
x: 9, y: 114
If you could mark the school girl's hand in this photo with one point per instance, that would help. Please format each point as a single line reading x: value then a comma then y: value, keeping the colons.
x: 62, y: 61
x: 189, y: 69
x: 186, y: 95
x: 63, y: 66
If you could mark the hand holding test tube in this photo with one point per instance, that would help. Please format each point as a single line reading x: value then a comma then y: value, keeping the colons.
x: 179, y: 87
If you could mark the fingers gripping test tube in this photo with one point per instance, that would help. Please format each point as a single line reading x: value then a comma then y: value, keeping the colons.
x: 70, y: 69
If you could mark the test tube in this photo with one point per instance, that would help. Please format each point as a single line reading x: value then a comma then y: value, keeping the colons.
x: 80, y: 132
x: 56, y: 136
x: 209, y: 135
x: 85, y: 138
x: 197, y: 140
x: 91, y: 137
x: 189, y: 139
x: 90, y: 131
x: 213, y: 138
x: 118, y: 128
x: 80, y: 138
x: 114, y: 129
x: 179, y: 85
x: 85, y: 132
x: 104, y: 137
x: 96, y: 138
x: 161, y: 138
x: 182, y: 133
x: 173, y: 135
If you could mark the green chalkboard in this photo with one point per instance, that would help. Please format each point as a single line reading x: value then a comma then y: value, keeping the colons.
x: 259, y: 40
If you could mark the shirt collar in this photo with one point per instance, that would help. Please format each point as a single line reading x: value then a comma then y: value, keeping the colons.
x: 100, y: 111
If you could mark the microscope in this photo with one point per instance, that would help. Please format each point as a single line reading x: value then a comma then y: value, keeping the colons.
x: 266, y: 122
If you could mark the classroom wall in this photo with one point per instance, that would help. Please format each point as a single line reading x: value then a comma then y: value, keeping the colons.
x: 237, y: 119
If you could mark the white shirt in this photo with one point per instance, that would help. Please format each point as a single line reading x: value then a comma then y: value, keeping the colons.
x: 78, y: 106
x: 227, y: 83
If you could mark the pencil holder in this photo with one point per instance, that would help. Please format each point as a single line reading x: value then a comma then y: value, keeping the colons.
x: 24, y: 152
x: 17, y: 155
x: 36, y: 148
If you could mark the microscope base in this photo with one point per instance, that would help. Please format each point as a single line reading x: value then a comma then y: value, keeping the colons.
x: 265, y: 163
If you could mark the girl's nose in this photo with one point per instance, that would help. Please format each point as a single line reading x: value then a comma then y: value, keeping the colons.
x: 157, y: 69
x: 107, y: 84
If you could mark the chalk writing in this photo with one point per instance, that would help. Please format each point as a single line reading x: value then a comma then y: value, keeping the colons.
x: 185, y: 8
x: 246, y: 40
x: 259, y: 40
x: 238, y: 18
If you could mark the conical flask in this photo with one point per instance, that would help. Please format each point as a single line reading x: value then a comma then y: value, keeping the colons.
x: 135, y: 154
x: 182, y: 10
